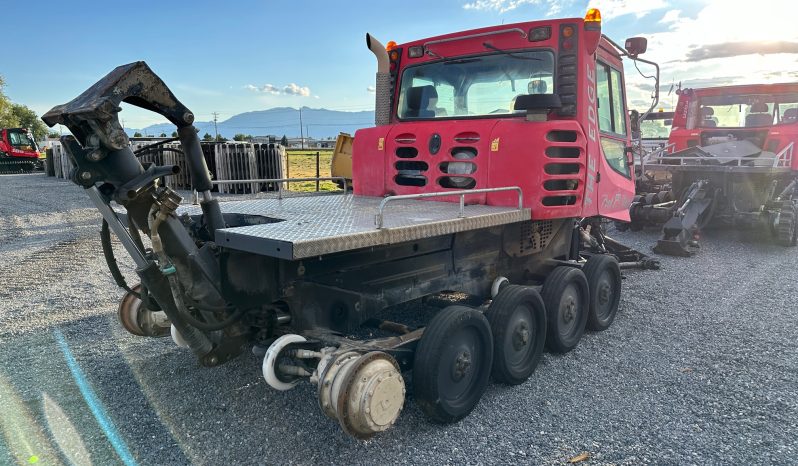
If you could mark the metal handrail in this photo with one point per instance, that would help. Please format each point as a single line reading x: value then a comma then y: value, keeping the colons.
x: 379, y: 218
x: 784, y: 156
x: 787, y: 157
x: 280, y: 182
x: 657, y: 153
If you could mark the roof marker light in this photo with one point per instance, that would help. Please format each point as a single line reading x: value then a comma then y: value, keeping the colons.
x: 593, y: 15
x: 390, y: 45
x: 539, y: 34
x: 415, y: 51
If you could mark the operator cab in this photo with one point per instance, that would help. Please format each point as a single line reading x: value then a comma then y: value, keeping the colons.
x: 764, y: 115
x: 537, y: 105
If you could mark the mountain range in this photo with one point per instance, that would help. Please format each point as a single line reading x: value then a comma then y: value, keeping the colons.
x: 319, y: 123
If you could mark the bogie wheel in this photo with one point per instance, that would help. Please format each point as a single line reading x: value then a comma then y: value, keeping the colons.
x: 786, y: 230
x: 452, y: 364
x: 604, y: 282
x: 517, y: 319
x: 140, y: 321
x: 566, y: 296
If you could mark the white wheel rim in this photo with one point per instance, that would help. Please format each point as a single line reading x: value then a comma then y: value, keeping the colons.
x: 497, y: 285
x: 270, y: 360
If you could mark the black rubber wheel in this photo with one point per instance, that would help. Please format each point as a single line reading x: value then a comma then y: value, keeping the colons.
x: 452, y: 364
x: 566, y: 296
x: 604, y: 282
x: 517, y: 319
x: 786, y: 230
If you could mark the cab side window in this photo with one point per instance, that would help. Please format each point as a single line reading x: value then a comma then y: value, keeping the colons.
x: 612, y: 116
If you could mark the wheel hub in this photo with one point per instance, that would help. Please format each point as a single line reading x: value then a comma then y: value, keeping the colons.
x: 569, y: 309
x: 604, y: 294
x: 462, y: 365
x: 521, y: 336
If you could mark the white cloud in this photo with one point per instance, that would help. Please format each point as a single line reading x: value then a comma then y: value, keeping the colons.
x: 502, y: 6
x: 371, y: 89
x: 294, y: 89
x: 672, y: 16
x: 721, y: 46
x: 611, y: 9
x: 289, y: 89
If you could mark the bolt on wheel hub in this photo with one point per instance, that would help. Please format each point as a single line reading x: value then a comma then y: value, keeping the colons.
x: 462, y: 365
x: 569, y: 309
x: 604, y: 293
x: 521, y: 336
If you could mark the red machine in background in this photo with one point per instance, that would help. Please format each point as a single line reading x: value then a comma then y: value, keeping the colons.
x: 766, y: 115
x: 730, y: 160
x: 18, y: 151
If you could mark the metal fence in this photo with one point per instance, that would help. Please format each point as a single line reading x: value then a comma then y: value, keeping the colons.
x: 228, y: 161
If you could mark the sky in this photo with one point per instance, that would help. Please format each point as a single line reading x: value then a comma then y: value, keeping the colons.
x: 237, y: 56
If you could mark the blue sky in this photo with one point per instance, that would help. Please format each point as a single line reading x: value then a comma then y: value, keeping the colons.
x: 237, y: 56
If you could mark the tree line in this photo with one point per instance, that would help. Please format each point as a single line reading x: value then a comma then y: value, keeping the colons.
x: 13, y: 115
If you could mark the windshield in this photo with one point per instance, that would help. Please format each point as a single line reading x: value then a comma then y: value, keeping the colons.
x: 474, y: 86
x: 737, y: 111
x: 655, y: 127
x: 20, y: 140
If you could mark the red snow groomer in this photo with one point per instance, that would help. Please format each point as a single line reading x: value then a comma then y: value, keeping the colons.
x: 18, y: 151
x: 494, y: 155
x: 731, y: 162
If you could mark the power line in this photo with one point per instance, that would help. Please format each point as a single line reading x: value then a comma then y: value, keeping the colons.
x: 301, y: 134
x: 215, y: 128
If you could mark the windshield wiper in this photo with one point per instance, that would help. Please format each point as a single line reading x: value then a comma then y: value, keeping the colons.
x: 455, y: 61
x: 509, y: 54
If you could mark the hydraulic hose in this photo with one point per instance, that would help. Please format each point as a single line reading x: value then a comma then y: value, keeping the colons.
x: 156, y: 217
x: 196, y: 340
x: 110, y: 260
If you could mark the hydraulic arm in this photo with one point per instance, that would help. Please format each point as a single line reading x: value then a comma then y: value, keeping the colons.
x: 180, y: 272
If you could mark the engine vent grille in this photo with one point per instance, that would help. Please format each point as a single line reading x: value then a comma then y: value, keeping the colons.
x: 535, y: 236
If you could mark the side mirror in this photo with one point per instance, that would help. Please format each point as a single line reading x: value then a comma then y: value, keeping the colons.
x: 634, y: 121
x: 668, y: 122
x: 636, y: 46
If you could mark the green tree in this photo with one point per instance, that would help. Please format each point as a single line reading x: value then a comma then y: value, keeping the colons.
x: 27, y: 118
x: 284, y: 141
x: 5, y: 108
x: 137, y: 134
x: 240, y: 137
x: 53, y: 135
x: 163, y: 135
x: 221, y: 138
x: 174, y: 134
x: 207, y: 137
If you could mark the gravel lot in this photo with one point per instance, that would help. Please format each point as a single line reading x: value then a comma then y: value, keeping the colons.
x: 701, y: 366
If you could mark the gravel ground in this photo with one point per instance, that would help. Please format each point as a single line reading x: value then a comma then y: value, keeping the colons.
x: 701, y: 366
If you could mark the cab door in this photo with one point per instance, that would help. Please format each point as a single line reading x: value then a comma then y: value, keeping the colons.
x: 615, y: 175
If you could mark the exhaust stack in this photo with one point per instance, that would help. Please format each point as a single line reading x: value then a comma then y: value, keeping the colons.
x: 382, y: 99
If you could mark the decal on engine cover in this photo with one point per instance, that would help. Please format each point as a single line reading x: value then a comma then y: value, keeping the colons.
x: 592, y: 131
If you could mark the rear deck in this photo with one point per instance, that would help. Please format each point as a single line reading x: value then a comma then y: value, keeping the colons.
x: 310, y: 226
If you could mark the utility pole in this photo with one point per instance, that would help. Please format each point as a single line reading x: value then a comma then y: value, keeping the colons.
x: 301, y: 132
x: 215, y: 128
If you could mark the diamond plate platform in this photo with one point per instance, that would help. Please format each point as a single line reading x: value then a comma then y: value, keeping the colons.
x: 316, y: 225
